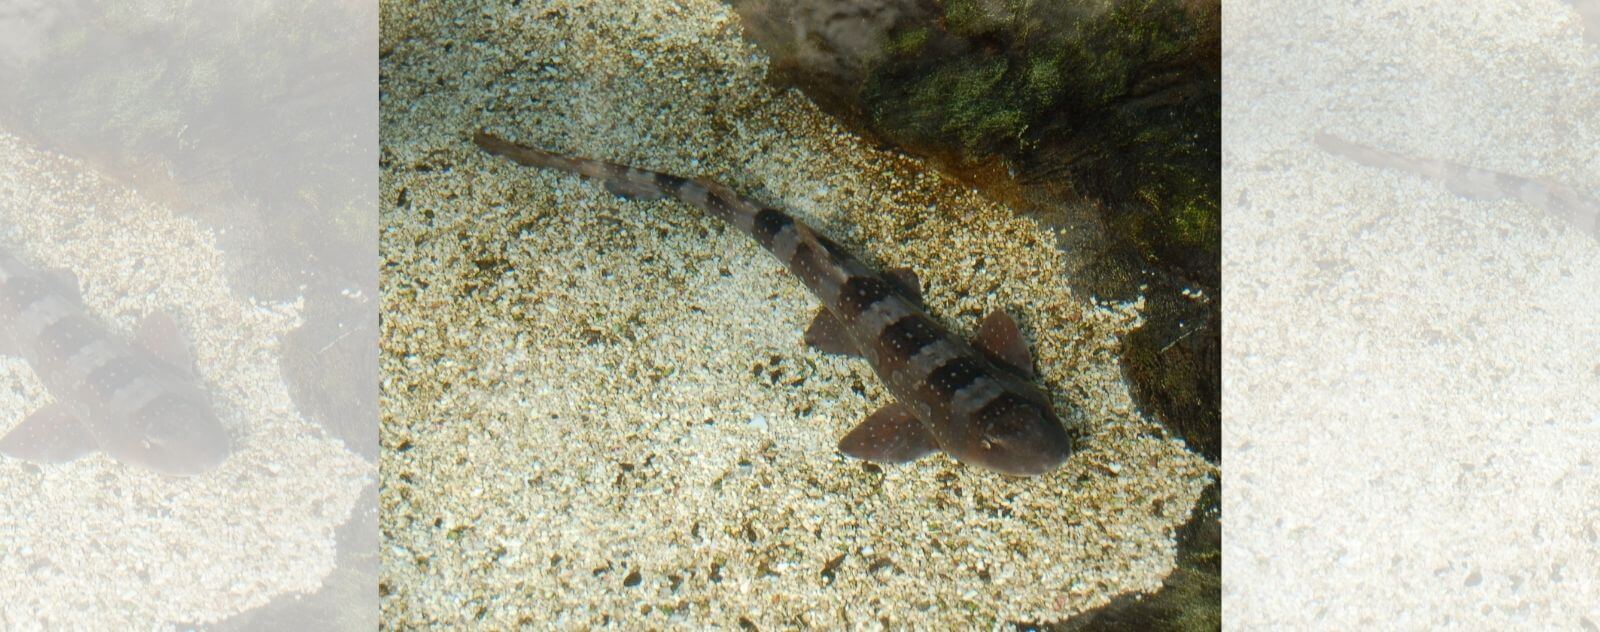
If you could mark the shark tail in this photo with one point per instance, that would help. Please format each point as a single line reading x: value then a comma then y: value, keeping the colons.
x: 710, y: 197
x: 625, y: 181
x: 522, y: 154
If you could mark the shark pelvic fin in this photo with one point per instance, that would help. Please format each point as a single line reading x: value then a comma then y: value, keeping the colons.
x: 891, y: 435
x: 159, y: 334
x: 49, y: 435
x: 1000, y: 339
x: 827, y: 334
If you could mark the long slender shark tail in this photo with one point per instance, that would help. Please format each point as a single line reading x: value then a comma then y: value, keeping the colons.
x: 1383, y: 159
x: 619, y: 179
x: 1553, y: 197
x: 629, y: 182
x: 819, y: 263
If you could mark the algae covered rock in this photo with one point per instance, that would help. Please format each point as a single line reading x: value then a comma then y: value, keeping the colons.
x: 1116, y: 101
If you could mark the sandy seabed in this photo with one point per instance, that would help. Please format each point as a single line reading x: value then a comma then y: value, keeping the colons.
x: 95, y: 544
x: 1413, y: 417
x: 600, y: 411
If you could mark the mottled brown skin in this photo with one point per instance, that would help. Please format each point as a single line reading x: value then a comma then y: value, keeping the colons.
x: 111, y: 396
x: 979, y: 406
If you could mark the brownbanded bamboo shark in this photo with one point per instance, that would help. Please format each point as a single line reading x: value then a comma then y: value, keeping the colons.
x: 1552, y: 197
x: 975, y: 402
x: 140, y: 403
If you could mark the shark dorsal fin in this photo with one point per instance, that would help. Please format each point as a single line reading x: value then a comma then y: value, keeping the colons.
x: 1000, y: 339
x: 64, y: 281
x: 159, y: 334
x: 891, y: 435
x: 906, y: 281
x: 827, y: 334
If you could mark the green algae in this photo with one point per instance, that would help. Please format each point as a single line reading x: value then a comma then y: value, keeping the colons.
x: 1122, y: 101
x: 969, y: 100
x: 909, y: 42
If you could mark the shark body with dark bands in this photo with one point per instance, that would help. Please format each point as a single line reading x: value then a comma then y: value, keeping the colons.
x: 974, y: 401
x: 139, y: 402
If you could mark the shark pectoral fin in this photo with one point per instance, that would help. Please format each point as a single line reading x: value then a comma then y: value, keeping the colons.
x: 159, y: 334
x: 827, y: 334
x: 49, y: 435
x: 1000, y: 339
x: 906, y: 281
x: 891, y: 435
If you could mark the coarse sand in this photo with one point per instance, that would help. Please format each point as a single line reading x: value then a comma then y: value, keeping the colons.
x: 600, y: 411
x: 96, y: 544
x: 1412, y: 411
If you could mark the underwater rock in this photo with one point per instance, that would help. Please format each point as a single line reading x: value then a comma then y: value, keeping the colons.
x: 830, y: 48
x: 1190, y: 599
x: 1117, y: 101
x: 335, y: 343
x: 346, y: 600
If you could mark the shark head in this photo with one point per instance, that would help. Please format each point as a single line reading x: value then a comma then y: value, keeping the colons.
x: 178, y: 436
x: 1018, y: 436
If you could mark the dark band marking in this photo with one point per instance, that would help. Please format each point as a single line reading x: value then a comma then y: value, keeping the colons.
x: 768, y: 224
x: 808, y: 264
x: 859, y: 293
x: 669, y: 182
x: 66, y: 337
x: 955, y: 375
x: 168, y: 408
x: 996, y: 414
x: 905, y: 337
x: 1509, y: 184
x: 116, y: 374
